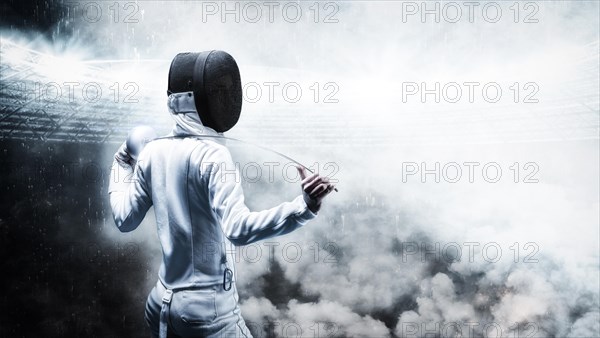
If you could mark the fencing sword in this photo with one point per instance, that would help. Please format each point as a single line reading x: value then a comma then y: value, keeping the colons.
x: 139, y: 136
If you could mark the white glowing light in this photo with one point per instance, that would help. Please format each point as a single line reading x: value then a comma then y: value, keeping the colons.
x: 14, y: 54
x: 60, y: 69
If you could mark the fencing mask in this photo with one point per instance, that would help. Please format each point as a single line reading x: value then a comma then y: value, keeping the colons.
x: 208, y: 83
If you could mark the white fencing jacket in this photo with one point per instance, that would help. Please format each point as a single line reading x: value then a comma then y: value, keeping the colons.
x: 199, y: 205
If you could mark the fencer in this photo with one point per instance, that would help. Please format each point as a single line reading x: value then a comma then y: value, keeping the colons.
x: 199, y: 205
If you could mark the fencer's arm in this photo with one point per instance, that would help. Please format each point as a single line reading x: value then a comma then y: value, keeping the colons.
x: 239, y: 224
x: 129, y: 195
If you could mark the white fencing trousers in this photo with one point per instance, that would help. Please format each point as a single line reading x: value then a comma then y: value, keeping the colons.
x: 195, y: 312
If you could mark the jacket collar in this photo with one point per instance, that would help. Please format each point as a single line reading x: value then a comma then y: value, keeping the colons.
x: 187, y: 121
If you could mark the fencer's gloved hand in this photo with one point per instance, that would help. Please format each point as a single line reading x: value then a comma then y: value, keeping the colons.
x: 314, y: 189
x: 137, y: 139
x: 123, y: 156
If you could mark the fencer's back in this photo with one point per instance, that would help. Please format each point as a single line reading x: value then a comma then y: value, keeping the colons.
x: 177, y: 171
